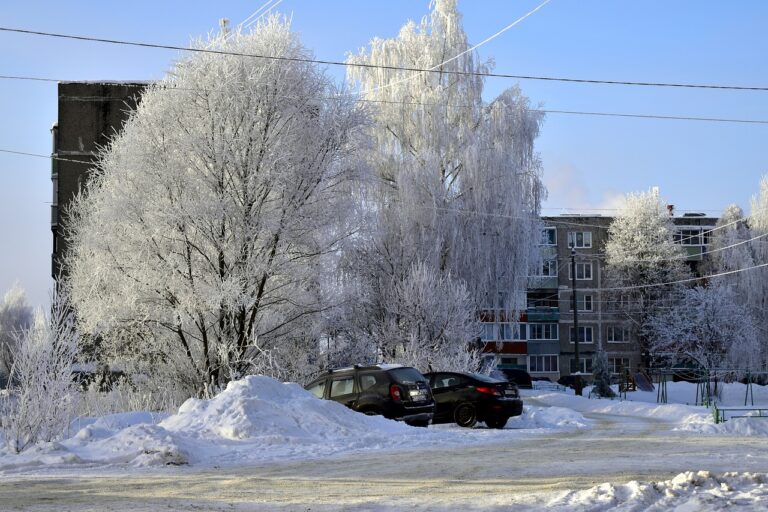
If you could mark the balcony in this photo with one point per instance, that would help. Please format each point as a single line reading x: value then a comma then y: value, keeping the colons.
x: 543, y: 314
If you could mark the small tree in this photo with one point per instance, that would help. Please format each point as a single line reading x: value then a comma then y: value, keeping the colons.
x: 602, y: 375
x: 15, y: 317
x: 43, y: 395
x: 707, y: 328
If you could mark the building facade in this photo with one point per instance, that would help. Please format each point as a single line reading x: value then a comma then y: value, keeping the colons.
x: 89, y: 114
x: 542, y: 342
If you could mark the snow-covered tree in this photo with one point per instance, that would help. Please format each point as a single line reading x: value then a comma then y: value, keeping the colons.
x: 430, y: 323
x: 213, y: 215
x: 756, y: 280
x: 639, y: 254
x: 458, y: 184
x: 15, y: 317
x: 707, y: 327
x: 601, y: 373
x: 43, y: 396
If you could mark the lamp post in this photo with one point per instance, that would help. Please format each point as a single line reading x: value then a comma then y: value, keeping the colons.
x: 577, y: 383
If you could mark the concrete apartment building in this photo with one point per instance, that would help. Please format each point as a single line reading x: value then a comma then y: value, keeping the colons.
x: 89, y: 112
x: 542, y: 343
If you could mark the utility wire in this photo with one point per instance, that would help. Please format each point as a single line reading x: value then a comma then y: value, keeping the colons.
x: 378, y: 66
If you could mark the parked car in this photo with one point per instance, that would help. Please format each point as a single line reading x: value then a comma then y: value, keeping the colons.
x: 520, y: 377
x: 393, y: 391
x: 466, y: 398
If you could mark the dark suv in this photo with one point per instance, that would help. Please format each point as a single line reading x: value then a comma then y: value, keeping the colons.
x: 395, y: 392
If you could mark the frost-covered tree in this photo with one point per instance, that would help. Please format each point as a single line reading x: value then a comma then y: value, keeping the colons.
x: 756, y: 280
x: 43, y: 396
x: 430, y: 322
x: 601, y: 374
x: 707, y: 327
x: 15, y: 317
x: 203, y: 239
x: 640, y: 253
x: 457, y: 190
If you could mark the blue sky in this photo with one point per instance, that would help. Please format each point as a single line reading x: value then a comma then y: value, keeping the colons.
x: 588, y: 161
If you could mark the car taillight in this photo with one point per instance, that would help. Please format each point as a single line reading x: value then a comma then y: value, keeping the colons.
x: 488, y: 390
x: 394, y: 392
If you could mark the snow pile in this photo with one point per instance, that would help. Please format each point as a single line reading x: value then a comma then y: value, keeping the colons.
x: 687, y: 491
x: 534, y: 417
x: 254, y: 419
x: 735, y: 426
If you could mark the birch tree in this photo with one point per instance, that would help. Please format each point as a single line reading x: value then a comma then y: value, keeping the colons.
x: 458, y: 186
x: 640, y: 251
x: 756, y: 281
x: 212, y: 217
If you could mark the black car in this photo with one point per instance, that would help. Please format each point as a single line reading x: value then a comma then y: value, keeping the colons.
x: 521, y: 378
x: 466, y: 398
x: 395, y: 392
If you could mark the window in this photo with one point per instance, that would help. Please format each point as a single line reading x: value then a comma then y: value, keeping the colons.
x: 369, y: 380
x: 688, y: 237
x: 512, y: 331
x: 584, y: 302
x: 548, y: 268
x: 583, y: 271
x: 620, y: 303
x: 585, y: 334
x: 580, y: 239
x: 543, y: 332
x: 542, y: 363
x: 488, y: 333
x: 318, y: 389
x: 549, y: 236
x: 342, y: 386
x: 585, y: 366
x: 617, y: 334
x: 618, y: 364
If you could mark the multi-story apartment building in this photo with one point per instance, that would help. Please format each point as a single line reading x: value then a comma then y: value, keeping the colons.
x: 542, y: 342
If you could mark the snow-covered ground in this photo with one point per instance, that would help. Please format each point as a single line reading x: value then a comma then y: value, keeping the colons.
x: 261, y: 423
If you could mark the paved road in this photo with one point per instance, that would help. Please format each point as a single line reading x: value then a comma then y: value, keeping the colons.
x: 494, y: 476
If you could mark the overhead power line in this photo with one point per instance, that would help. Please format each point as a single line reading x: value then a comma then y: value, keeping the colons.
x: 379, y: 66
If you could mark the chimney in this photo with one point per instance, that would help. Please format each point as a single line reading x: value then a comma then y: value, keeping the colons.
x: 671, y: 210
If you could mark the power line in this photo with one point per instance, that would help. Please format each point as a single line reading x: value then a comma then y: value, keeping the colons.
x: 379, y: 66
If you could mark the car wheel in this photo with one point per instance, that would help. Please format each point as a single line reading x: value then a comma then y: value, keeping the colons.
x: 465, y: 415
x: 496, y: 422
x: 371, y: 412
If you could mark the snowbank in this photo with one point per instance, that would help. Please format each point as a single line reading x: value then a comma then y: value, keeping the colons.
x: 687, y: 491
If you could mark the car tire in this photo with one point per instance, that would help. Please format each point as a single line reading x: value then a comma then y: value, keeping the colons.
x: 465, y: 415
x: 496, y: 422
x: 371, y: 412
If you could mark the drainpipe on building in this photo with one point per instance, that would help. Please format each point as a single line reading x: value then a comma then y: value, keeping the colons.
x: 577, y: 383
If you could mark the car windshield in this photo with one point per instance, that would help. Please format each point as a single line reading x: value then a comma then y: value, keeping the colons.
x: 485, y: 378
x: 407, y: 375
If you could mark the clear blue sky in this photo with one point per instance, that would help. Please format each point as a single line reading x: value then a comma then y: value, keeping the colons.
x: 588, y: 161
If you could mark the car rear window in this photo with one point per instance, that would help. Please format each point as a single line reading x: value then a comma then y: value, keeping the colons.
x: 485, y: 378
x: 406, y: 375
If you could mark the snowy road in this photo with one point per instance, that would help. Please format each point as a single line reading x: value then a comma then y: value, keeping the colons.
x: 518, y: 468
